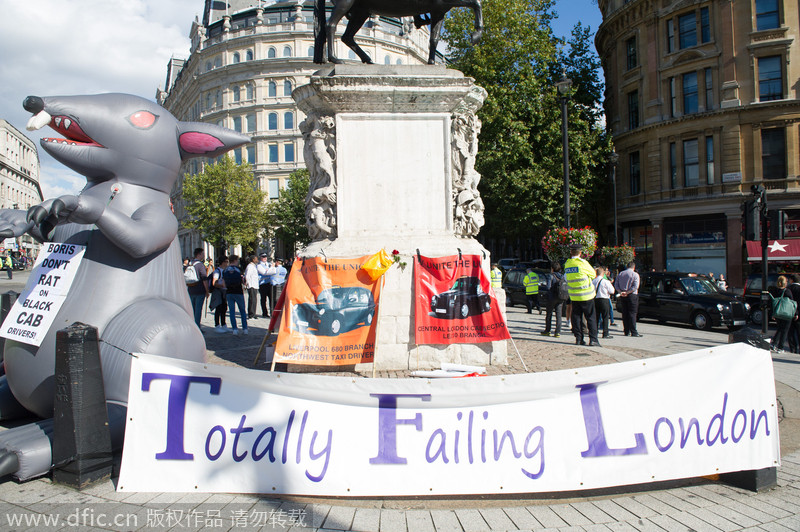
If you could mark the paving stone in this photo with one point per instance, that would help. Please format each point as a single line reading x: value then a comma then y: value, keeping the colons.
x: 646, y: 525
x: 592, y: 512
x: 775, y: 527
x: 392, y: 521
x: 620, y: 526
x: 616, y: 511
x: 674, y: 500
x: 735, y: 516
x: 497, y: 519
x: 471, y: 520
x: 366, y: 520
x: 316, y: 514
x: 715, y: 520
x: 669, y: 524
x: 339, y: 518
x: 419, y: 521
x: 656, y: 506
x: 596, y: 528
x: 446, y: 521
x: 546, y: 516
x: 522, y: 518
x: 570, y: 515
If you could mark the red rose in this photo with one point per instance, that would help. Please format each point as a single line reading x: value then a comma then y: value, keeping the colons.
x: 395, y: 252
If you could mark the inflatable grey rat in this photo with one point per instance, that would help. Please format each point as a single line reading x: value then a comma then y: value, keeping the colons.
x: 129, y: 284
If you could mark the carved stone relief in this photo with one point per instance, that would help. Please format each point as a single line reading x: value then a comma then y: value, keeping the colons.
x: 319, y: 150
x: 467, y: 204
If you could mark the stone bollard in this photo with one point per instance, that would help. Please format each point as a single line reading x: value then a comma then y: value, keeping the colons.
x: 81, y: 439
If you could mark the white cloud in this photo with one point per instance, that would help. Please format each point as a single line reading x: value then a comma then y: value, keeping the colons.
x: 60, y: 47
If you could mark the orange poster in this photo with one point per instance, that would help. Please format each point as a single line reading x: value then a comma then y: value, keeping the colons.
x: 329, y: 312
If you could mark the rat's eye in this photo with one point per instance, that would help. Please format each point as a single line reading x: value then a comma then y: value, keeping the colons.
x: 143, y: 119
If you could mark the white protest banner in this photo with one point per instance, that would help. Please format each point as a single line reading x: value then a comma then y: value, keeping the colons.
x: 195, y: 427
x: 48, y: 285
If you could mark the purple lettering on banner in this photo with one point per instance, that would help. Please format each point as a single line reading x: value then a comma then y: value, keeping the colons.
x: 300, y: 437
x: 734, y: 437
x: 539, y: 449
x: 662, y: 420
x: 595, y: 432
x: 756, y: 421
x: 215, y: 456
x: 721, y: 418
x: 387, y: 426
x: 686, y: 432
x: 176, y: 409
x: 314, y: 455
x: 236, y: 433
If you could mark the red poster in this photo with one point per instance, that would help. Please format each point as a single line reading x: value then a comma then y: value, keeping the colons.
x: 328, y: 315
x: 455, y: 303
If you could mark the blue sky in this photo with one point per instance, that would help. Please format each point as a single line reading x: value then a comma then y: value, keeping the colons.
x: 96, y: 46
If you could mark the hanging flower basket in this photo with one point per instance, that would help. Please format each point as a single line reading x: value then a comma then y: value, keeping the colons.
x: 616, y: 255
x: 556, y: 242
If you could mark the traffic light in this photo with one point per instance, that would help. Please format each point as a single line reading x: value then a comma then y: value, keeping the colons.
x: 777, y: 224
x: 752, y: 219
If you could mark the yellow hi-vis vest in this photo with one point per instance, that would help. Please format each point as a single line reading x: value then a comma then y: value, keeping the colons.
x: 531, y: 283
x: 497, y: 278
x: 579, y: 275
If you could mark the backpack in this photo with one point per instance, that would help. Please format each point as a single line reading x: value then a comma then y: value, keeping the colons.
x: 562, y: 289
x: 232, y: 277
x: 190, y: 275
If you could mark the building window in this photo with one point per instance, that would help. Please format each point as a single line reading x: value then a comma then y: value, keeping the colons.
x: 673, y: 98
x: 272, y: 121
x: 217, y: 62
x: 251, y: 122
x: 670, y: 35
x: 310, y: 51
x: 773, y: 153
x: 273, y: 153
x: 236, y: 57
x: 691, y: 163
x: 288, y: 152
x: 687, y: 28
x: 251, y: 91
x: 288, y: 120
x: 630, y: 53
x: 237, y: 123
x: 709, y: 89
x: 398, y: 62
x: 387, y: 60
x: 690, y: 93
x: 218, y: 98
x: 705, y: 25
x: 767, y: 15
x: 710, y: 160
x: 770, y: 78
x: 209, y: 102
x: 287, y: 51
x: 274, y: 188
x: 237, y: 94
x: 249, y: 55
x: 237, y: 155
x: 633, y: 110
x: 633, y: 168
x: 287, y: 88
x: 208, y: 66
x: 272, y: 89
x: 251, y: 154
x: 271, y: 53
x: 673, y: 165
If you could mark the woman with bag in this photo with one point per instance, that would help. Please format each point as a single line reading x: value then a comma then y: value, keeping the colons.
x: 781, y: 308
x: 218, y: 301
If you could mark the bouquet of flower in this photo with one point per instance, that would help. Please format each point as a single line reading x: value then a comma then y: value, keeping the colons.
x: 617, y: 255
x: 556, y: 242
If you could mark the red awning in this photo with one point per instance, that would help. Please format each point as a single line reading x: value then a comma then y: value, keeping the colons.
x: 778, y: 250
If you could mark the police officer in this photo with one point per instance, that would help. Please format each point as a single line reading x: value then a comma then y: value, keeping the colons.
x: 496, y: 276
x: 531, y: 284
x: 579, y: 275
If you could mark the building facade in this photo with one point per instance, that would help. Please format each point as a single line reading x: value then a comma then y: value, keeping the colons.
x: 703, y: 102
x: 19, y: 181
x: 245, y: 62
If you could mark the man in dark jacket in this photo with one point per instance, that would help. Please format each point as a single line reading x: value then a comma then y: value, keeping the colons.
x: 794, y: 328
x: 554, y: 304
x: 198, y: 291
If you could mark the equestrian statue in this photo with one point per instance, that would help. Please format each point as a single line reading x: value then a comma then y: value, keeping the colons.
x: 358, y: 11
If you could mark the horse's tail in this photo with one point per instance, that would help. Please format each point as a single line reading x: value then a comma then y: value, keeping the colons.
x: 320, y: 20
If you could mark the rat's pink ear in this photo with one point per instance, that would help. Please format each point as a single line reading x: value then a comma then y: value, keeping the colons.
x: 197, y: 139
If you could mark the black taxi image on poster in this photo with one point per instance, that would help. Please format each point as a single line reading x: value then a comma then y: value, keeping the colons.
x: 465, y: 298
x: 337, y: 310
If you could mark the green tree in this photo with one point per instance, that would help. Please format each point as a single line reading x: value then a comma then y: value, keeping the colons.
x: 225, y: 204
x: 520, y: 152
x: 286, y: 216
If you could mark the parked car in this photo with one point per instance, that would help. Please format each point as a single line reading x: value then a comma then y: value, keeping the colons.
x: 515, y: 289
x: 465, y: 298
x: 688, y: 298
x: 752, y: 292
x: 337, y: 310
x: 506, y: 264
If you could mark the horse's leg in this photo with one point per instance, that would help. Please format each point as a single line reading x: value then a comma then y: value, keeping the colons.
x: 476, y: 7
x: 437, y: 20
x: 357, y: 19
x: 340, y: 9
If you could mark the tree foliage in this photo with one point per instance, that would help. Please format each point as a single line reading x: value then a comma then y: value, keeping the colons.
x: 520, y: 153
x: 287, y: 215
x: 225, y: 204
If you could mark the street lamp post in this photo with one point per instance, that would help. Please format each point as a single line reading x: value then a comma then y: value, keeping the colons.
x: 613, y: 158
x: 564, y: 86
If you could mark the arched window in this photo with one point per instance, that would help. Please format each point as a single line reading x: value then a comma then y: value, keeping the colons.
x: 208, y: 66
x: 218, y: 98
x: 287, y: 51
x: 288, y: 120
x: 236, y: 57
x: 287, y: 88
x: 272, y: 122
x: 352, y: 55
x: 251, y: 91
x: 272, y: 91
x: 399, y: 61
x: 271, y: 53
x: 237, y: 94
x: 217, y: 62
x: 208, y: 101
x: 249, y: 55
x: 387, y: 60
x: 310, y: 51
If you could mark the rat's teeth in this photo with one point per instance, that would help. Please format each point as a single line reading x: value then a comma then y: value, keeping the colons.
x: 38, y: 121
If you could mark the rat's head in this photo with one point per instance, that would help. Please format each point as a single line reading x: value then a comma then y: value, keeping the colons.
x: 126, y: 137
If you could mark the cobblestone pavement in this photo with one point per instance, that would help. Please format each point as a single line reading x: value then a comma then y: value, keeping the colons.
x: 696, y: 504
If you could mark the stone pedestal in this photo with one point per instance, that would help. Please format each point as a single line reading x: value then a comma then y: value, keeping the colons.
x: 391, y: 153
